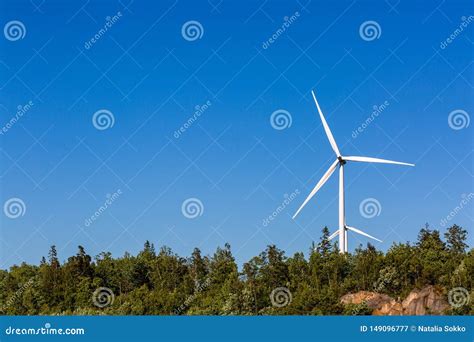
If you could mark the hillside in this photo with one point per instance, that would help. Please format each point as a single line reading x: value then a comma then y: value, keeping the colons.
x: 432, y: 276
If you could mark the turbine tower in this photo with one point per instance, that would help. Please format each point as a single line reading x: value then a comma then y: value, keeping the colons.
x: 340, y: 162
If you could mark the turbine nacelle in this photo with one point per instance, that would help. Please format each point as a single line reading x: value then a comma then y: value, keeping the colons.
x: 341, y: 161
x: 355, y: 230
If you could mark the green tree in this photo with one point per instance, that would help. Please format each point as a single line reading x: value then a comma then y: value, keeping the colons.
x: 433, y: 255
x: 165, y: 283
x: 456, y: 239
x: 324, y: 246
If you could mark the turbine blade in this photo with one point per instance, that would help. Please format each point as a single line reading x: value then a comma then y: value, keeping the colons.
x: 333, y: 235
x: 318, y: 186
x: 326, y: 128
x: 362, y: 233
x: 375, y: 160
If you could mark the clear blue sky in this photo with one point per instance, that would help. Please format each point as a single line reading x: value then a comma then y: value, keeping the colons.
x: 151, y: 79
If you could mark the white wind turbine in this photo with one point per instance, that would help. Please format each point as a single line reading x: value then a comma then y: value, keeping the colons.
x: 341, y: 161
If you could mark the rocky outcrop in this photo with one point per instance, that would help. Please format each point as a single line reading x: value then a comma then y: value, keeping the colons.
x: 427, y: 301
x: 394, y: 308
x: 372, y: 299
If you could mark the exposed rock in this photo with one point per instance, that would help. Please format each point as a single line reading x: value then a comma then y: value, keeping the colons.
x: 392, y: 308
x: 427, y: 301
x: 372, y: 299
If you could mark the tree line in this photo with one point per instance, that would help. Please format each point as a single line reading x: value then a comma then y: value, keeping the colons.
x: 164, y: 283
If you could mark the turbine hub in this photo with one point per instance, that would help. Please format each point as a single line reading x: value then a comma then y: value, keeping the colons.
x: 341, y: 161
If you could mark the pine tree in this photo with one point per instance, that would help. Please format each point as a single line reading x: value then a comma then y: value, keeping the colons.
x: 324, y: 246
x: 53, y: 257
x: 198, y: 267
x: 456, y: 239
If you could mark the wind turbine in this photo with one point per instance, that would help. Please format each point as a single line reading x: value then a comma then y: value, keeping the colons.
x: 341, y: 161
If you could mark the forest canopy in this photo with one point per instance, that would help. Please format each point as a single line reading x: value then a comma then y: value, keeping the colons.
x: 164, y: 283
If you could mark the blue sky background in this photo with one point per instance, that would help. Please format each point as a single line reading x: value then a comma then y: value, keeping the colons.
x: 231, y: 158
